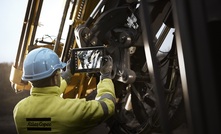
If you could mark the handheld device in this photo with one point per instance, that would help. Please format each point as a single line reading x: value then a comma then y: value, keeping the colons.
x: 87, y: 59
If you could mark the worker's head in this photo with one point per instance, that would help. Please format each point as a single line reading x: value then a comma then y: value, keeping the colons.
x: 41, y: 65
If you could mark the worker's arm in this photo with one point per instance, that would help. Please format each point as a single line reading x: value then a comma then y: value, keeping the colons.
x: 63, y: 85
x: 95, y: 111
x: 106, y: 96
x: 105, y: 88
x: 103, y: 106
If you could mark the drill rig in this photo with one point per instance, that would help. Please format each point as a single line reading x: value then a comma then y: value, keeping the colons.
x: 153, y: 87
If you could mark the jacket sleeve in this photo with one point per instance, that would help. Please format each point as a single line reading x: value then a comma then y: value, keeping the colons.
x: 106, y: 96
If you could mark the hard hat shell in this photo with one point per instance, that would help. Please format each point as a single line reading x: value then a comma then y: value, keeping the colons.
x: 40, y: 63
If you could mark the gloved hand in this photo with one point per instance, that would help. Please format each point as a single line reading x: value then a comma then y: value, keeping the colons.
x: 67, y: 75
x: 106, y: 67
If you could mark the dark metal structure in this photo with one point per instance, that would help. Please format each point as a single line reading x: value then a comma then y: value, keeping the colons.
x: 197, y: 26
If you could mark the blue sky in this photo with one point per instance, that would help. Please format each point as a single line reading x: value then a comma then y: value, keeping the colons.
x: 12, y: 15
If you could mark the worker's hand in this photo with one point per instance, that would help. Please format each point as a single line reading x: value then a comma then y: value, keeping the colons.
x: 67, y: 75
x: 68, y: 68
x: 106, y: 67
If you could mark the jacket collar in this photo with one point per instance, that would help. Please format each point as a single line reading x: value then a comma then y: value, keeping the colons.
x: 53, y: 90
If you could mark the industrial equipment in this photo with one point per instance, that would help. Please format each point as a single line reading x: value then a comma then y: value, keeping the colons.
x: 157, y: 90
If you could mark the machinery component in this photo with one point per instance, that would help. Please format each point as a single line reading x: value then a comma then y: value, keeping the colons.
x: 27, y: 37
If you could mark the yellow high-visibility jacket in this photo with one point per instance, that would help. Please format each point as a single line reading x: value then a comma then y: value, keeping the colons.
x: 44, y: 111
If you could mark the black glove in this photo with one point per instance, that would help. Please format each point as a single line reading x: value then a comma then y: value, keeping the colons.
x: 106, y: 67
x: 67, y: 75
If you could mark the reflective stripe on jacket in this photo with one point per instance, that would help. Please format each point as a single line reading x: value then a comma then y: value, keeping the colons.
x: 44, y: 111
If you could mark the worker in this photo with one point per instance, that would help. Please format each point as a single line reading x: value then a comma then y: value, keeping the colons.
x: 45, y: 111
